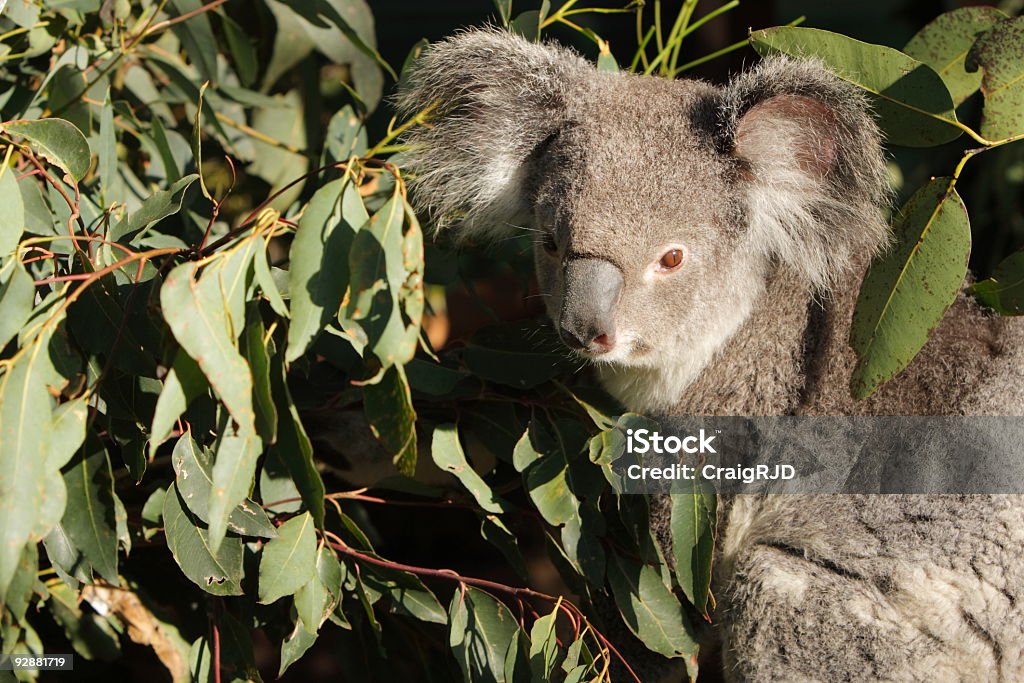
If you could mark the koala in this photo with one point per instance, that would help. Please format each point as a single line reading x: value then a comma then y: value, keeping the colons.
x: 703, y: 247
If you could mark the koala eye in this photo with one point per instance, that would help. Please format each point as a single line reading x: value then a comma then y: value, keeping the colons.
x: 671, y: 259
x: 549, y: 243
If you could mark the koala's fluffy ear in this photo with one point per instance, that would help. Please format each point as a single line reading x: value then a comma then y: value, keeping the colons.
x: 814, y: 165
x: 496, y: 98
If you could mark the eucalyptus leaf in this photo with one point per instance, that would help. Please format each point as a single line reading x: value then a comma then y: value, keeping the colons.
x: 220, y: 572
x: 448, y: 455
x: 194, y: 479
x: 912, y: 103
x: 649, y: 609
x: 288, y: 562
x: 1004, y: 291
x: 58, y: 141
x: 909, y: 287
x: 944, y: 43
x: 480, y: 634
x: 12, y: 211
x: 997, y: 54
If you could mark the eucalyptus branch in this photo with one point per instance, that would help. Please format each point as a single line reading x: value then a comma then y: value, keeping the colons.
x: 564, y: 606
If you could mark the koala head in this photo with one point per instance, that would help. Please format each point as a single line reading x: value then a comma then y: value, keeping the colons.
x: 657, y: 208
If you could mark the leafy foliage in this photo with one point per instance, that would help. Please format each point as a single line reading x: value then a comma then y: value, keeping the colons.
x: 207, y: 270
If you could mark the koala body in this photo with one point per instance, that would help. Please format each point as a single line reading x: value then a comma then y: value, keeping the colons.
x: 704, y: 246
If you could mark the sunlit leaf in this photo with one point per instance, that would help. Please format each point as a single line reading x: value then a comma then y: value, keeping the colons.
x: 693, y: 541
x: 1004, y: 291
x: 481, y: 630
x: 288, y: 561
x: 319, y: 257
x: 912, y: 103
x: 908, y: 288
x: 997, y: 54
x: 89, y: 516
x: 16, y: 298
x: 162, y: 204
x: 12, y: 212
x: 25, y: 423
x: 944, y: 43
x: 198, y: 319
x: 58, y: 141
x: 447, y: 453
x: 649, y: 609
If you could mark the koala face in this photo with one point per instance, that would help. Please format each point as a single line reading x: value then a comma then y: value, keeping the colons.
x: 657, y: 208
x: 623, y: 255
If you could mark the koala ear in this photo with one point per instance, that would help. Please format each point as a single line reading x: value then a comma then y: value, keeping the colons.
x: 813, y: 165
x: 497, y: 99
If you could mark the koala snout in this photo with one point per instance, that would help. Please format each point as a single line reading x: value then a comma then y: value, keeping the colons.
x: 591, y: 295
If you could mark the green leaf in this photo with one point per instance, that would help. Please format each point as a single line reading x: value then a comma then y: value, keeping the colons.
x: 448, y: 455
x: 346, y: 136
x: 386, y: 294
x: 16, y: 299
x: 258, y: 357
x: 58, y: 141
x: 89, y: 516
x: 913, y: 105
x: 388, y: 408
x: 194, y: 478
x: 481, y: 631
x: 25, y: 423
x: 649, y: 609
x: 1004, y: 291
x: 408, y: 594
x: 315, y: 11
x: 162, y: 204
x: 316, y: 600
x: 242, y: 51
x: 433, y: 378
x: 504, y: 8
x: 319, y: 260
x: 234, y: 468
x: 199, y: 321
x: 107, y: 151
x: 550, y: 478
x: 293, y: 447
x: 218, y: 573
x: 544, y: 646
x: 268, y: 286
x: 295, y: 645
x: 183, y: 383
x: 943, y: 44
x: 908, y: 288
x: 998, y: 54
x: 289, y: 561
x: 19, y: 594
x: 196, y: 35
x: 197, y: 133
x: 516, y: 354
x: 693, y: 541
x: 278, y: 165
x: 12, y: 211
x: 68, y: 431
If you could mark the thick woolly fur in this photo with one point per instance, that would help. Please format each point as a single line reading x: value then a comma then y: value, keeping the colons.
x: 774, y: 186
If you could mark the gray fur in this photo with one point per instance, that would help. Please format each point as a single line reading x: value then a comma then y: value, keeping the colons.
x: 774, y: 185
